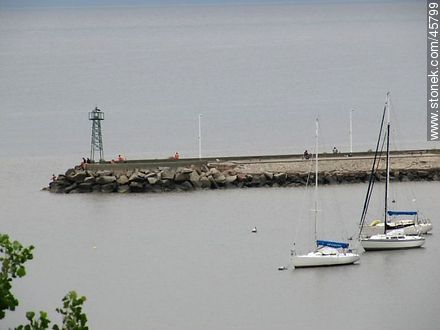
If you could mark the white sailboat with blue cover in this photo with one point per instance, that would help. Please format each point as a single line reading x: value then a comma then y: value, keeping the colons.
x: 327, y: 253
x: 406, y: 222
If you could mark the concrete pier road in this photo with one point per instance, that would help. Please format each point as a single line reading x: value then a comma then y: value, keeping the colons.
x: 338, y: 163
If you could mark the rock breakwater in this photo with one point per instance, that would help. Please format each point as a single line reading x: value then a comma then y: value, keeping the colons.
x: 216, y: 176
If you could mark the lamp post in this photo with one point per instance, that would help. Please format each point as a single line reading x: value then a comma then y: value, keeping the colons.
x: 200, y: 136
x: 351, y: 131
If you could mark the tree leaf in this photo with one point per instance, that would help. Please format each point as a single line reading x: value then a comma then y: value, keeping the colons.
x: 21, y: 272
x: 30, y: 315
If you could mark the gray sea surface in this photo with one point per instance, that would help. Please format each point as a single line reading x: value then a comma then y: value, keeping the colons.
x: 259, y: 74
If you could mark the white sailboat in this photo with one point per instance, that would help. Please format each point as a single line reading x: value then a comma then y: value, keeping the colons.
x: 407, y: 226
x: 327, y: 253
x: 425, y: 225
x: 389, y: 239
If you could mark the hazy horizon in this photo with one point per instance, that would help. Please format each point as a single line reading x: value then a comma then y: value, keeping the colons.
x: 129, y: 3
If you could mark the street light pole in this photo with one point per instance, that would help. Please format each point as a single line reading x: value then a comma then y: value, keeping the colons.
x: 200, y: 136
x: 351, y: 131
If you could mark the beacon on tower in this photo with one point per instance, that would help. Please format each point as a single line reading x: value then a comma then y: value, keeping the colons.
x: 96, y: 116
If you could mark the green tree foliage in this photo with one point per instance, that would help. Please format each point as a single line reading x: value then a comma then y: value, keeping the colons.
x: 13, y: 255
x: 73, y: 317
x: 35, y: 324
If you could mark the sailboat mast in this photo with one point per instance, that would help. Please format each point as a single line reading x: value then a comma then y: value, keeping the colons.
x: 316, y: 176
x: 377, y: 155
x: 387, y: 182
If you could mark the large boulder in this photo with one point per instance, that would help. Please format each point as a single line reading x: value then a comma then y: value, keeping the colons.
x: 148, y: 187
x: 194, y: 177
x: 122, y: 180
x: 219, y: 178
x: 254, y: 182
x: 167, y: 174
x: 136, y: 187
x: 106, y: 179
x: 70, y: 188
x: 268, y: 175
x: 96, y: 188
x: 90, y: 179
x: 61, y: 177
x: 241, y: 177
x: 152, y: 180
x: 204, y: 169
x: 167, y: 184
x: 123, y: 189
x: 77, y: 177
x: 85, y: 187
x: 262, y: 179
x: 339, y: 177
x: 185, y: 186
x: 329, y: 178
x: 231, y: 178
x: 70, y: 172
x: 249, y: 178
x: 432, y: 174
x: 151, y: 174
x: 55, y: 188
x: 108, y: 188
x: 104, y: 173
x: 137, y: 177
x: 182, y: 176
x: 280, y: 177
x: 422, y: 174
x: 184, y: 170
x: 60, y: 183
x: 205, y: 182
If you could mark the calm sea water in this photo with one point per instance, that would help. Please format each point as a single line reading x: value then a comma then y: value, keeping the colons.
x: 259, y: 74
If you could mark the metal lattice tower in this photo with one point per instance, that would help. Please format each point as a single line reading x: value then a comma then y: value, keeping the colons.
x: 96, y: 116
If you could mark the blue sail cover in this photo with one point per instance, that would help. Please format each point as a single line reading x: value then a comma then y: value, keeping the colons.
x: 336, y: 245
x: 402, y: 212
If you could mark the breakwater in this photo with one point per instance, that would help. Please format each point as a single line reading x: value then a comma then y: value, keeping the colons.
x: 242, y: 172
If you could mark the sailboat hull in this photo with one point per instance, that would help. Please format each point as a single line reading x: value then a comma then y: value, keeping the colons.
x: 311, y: 260
x: 387, y: 242
x: 425, y: 227
x: 407, y: 227
x: 378, y: 229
